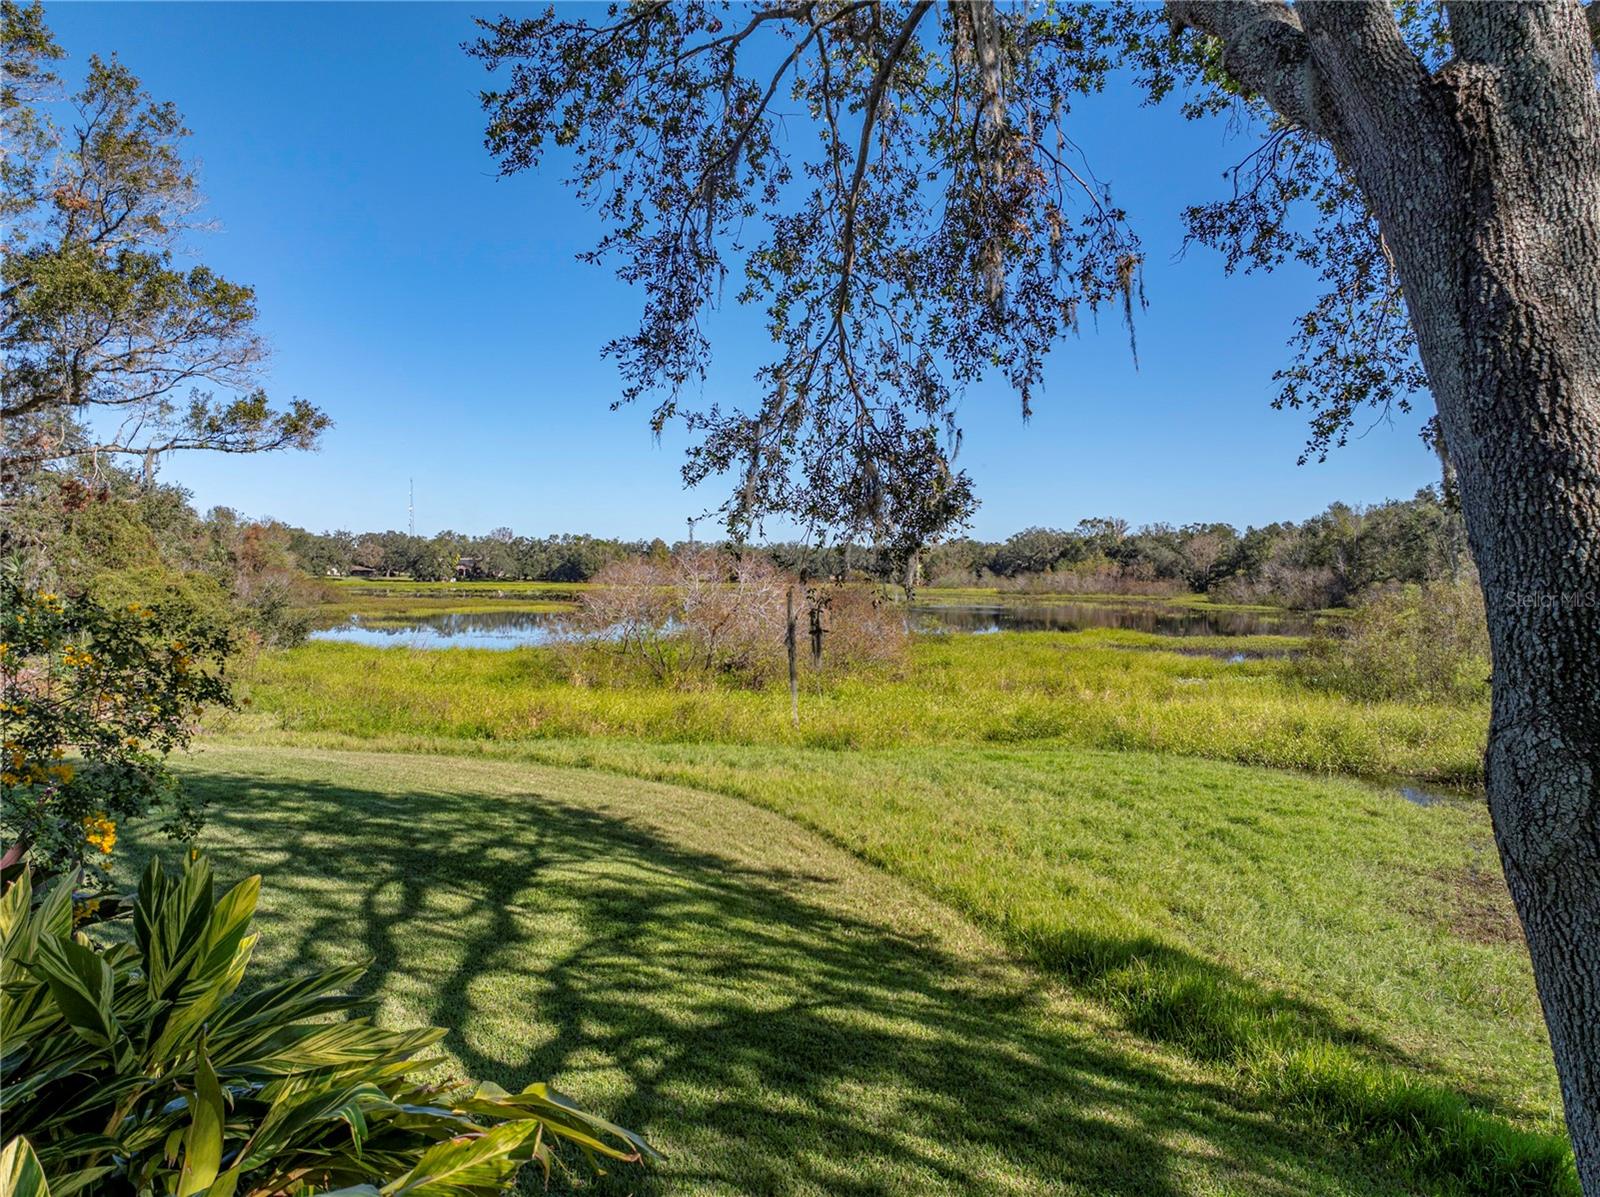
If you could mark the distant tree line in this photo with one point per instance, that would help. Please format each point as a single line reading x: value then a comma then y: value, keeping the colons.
x: 1323, y: 561
x: 501, y: 555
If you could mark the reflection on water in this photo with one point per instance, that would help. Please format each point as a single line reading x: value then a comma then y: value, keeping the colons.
x: 1430, y: 793
x: 1074, y: 617
x: 517, y: 629
x: 490, y: 629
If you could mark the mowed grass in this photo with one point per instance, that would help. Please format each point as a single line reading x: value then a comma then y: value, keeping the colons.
x: 777, y: 1016
x: 1094, y: 688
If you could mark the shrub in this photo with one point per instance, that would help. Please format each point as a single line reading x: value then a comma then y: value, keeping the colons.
x: 860, y: 628
x: 734, y: 614
x: 627, y: 621
x: 1097, y: 576
x: 1407, y: 642
x: 137, y: 1069
x: 1277, y: 584
x: 709, y: 616
x: 94, y: 698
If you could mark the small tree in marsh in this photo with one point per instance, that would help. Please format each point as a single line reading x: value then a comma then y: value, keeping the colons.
x: 710, y: 615
x: 935, y: 230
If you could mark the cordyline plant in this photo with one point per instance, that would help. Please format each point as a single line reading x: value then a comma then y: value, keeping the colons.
x: 137, y: 1069
x: 92, y: 699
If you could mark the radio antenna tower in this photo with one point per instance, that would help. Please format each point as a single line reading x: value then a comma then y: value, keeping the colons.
x: 411, y: 506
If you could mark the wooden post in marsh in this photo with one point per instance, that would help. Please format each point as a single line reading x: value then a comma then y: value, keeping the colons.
x: 789, y: 639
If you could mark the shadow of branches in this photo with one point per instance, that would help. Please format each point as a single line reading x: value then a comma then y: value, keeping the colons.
x: 754, y: 1013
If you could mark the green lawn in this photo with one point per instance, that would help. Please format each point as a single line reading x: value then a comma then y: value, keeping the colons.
x: 777, y: 1016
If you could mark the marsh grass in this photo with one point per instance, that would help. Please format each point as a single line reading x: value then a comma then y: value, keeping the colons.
x: 935, y: 595
x: 1094, y: 688
x: 401, y: 587
x: 403, y: 608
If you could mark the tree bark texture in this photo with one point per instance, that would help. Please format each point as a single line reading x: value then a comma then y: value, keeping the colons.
x: 1485, y: 179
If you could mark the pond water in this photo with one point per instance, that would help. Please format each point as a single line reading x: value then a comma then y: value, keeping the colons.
x: 490, y: 629
x: 517, y: 629
x: 1154, y: 618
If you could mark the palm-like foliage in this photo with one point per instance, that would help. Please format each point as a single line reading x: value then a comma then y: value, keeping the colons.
x: 137, y: 1068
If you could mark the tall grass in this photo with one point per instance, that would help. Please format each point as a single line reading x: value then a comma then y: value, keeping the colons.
x: 1102, y: 688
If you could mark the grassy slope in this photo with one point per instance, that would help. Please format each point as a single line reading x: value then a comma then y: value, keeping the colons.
x: 1083, y: 688
x: 777, y: 1017
x: 1358, y: 913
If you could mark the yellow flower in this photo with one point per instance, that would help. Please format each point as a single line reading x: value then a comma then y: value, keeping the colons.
x: 100, y: 832
x: 62, y: 773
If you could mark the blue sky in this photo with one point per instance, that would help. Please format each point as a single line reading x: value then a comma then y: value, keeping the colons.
x: 436, y: 312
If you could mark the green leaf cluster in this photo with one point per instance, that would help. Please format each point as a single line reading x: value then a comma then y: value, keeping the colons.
x: 138, y: 1068
x: 92, y: 699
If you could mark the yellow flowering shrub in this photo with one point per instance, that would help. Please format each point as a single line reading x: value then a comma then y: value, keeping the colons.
x: 92, y: 699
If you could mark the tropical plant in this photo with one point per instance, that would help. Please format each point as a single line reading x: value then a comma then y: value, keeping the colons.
x: 135, y: 1068
x: 92, y: 699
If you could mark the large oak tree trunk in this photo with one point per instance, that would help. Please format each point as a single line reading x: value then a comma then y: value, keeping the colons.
x: 1507, y: 309
x: 1485, y: 178
x: 1522, y: 423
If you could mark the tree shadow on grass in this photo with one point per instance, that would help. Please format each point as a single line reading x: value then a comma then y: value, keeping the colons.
x: 749, y: 1017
